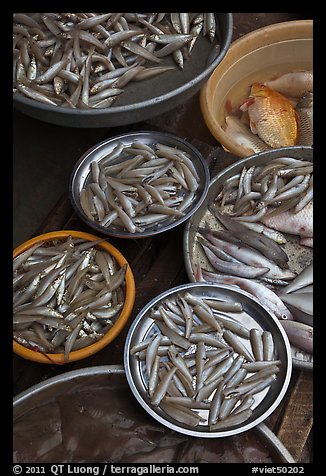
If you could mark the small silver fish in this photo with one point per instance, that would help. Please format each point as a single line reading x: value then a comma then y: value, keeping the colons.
x: 104, y: 47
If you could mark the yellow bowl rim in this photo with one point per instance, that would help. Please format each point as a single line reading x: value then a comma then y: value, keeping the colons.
x: 115, y: 329
x: 249, y: 38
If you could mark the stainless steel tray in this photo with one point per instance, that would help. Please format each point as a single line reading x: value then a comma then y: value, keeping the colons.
x: 299, y: 256
x: 81, y: 175
x: 49, y: 388
x: 253, y: 315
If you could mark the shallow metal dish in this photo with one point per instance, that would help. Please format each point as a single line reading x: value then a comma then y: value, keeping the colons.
x: 299, y: 256
x: 145, y: 99
x: 81, y: 174
x: 253, y: 315
x: 91, y: 377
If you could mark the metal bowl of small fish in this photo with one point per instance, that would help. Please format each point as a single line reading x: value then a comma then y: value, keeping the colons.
x: 110, y: 69
x: 260, y: 96
x: 207, y: 360
x: 73, y: 294
x: 260, y: 239
x: 138, y: 184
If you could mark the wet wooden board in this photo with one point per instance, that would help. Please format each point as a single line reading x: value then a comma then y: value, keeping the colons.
x: 298, y: 416
x: 157, y: 264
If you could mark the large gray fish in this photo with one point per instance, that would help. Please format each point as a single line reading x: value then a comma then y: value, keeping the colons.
x: 265, y: 245
x: 249, y: 256
x: 301, y: 306
x: 300, y: 335
x: 305, y: 278
x: 263, y: 294
x: 293, y: 84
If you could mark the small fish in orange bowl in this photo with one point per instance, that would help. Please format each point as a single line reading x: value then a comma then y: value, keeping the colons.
x: 260, y: 97
x: 73, y: 295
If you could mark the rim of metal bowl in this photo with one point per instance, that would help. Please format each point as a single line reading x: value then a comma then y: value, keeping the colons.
x: 262, y: 430
x: 178, y: 427
x: 149, y: 232
x: 66, y: 377
x: 143, y: 104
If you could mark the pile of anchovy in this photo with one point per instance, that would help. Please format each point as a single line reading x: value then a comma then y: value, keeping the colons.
x: 67, y: 295
x: 137, y: 186
x: 85, y: 60
x: 285, y: 183
x: 200, y: 358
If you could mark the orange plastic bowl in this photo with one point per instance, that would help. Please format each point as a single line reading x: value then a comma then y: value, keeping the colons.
x: 113, y: 332
x: 255, y: 57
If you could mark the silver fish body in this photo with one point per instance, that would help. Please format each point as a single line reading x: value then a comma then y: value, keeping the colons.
x: 238, y: 269
x: 301, y: 306
x: 252, y: 238
x: 303, y: 279
x: 265, y: 295
x: 300, y: 335
x: 241, y: 135
x: 192, y: 376
x: 140, y: 191
x: 251, y: 257
x: 57, y: 295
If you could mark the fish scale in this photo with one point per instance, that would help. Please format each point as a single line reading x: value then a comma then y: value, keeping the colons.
x: 240, y: 133
x: 305, y: 112
x: 300, y: 223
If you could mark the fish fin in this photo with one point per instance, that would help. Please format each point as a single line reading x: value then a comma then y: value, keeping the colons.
x: 253, y: 127
x: 293, y: 101
x: 246, y: 104
x: 297, y: 118
x: 245, y: 118
x: 307, y: 241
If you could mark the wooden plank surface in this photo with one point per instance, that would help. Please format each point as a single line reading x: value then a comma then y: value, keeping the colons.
x: 298, y: 416
x: 158, y: 264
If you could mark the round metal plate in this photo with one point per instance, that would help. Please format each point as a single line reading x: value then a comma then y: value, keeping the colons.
x: 81, y: 176
x: 253, y: 315
x: 299, y: 256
